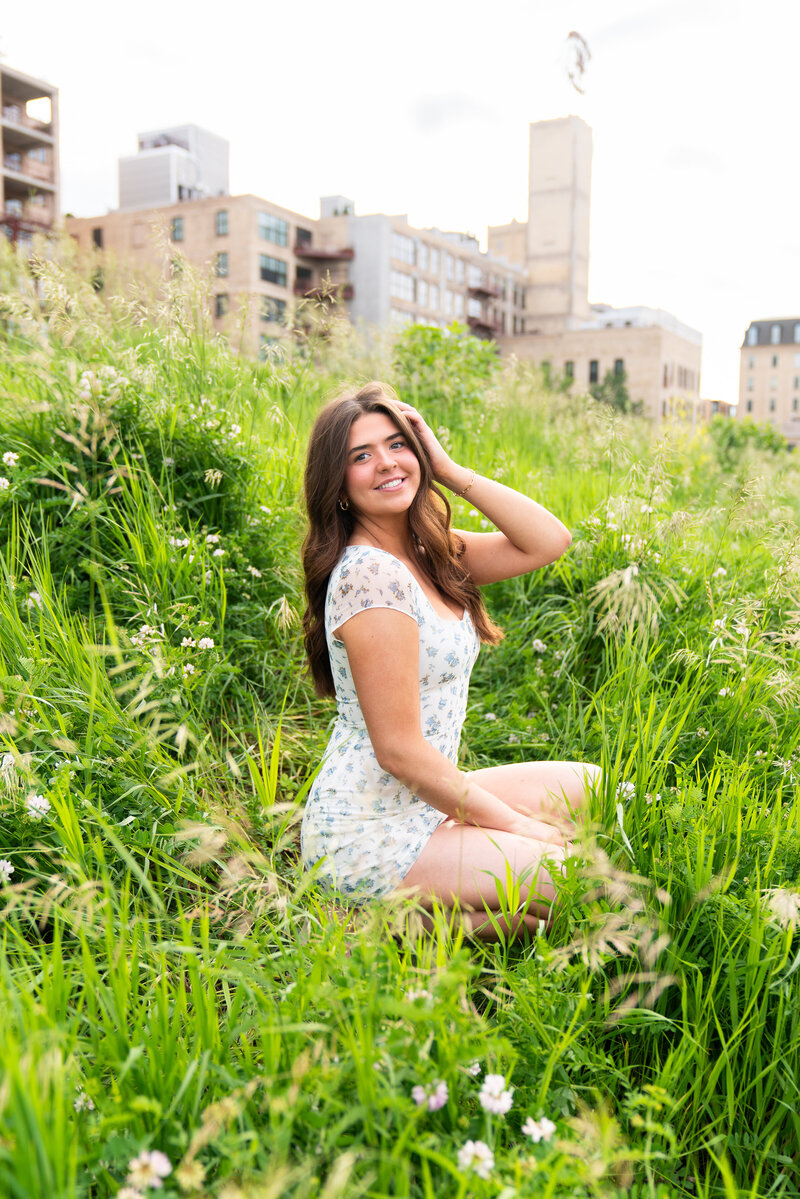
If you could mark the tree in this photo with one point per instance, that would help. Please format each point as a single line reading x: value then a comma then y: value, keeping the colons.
x: 614, y: 391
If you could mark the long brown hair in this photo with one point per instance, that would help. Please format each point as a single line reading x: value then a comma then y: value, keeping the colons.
x: 437, y: 551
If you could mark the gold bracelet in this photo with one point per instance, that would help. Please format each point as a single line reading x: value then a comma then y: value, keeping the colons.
x: 457, y: 494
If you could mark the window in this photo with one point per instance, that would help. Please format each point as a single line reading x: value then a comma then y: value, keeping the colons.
x: 97, y: 237
x: 752, y: 336
x: 772, y: 403
x: 222, y: 222
x: 448, y: 302
x: 449, y: 266
x: 797, y: 332
x: 474, y: 308
x: 749, y: 405
x: 434, y: 261
x: 797, y: 359
x: 401, y: 285
x: 273, y: 228
x: 273, y: 310
x: 422, y: 293
x: 433, y: 296
x: 774, y: 359
x: 569, y: 370
x: 177, y: 228
x: 221, y: 304
x: 665, y: 380
x: 221, y: 266
x: 272, y: 270
x: 403, y: 248
x: 303, y: 275
x: 423, y: 256
x: 619, y: 366
x: 751, y: 361
x: 459, y: 270
x: 474, y: 275
x: 795, y: 403
x: 399, y: 317
x: 773, y: 382
x: 750, y: 383
x: 265, y: 342
x: 459, y: 304
x: 594, y: 370
x: 775, y: 335
x: 303, y: 236
x: 796, y: 382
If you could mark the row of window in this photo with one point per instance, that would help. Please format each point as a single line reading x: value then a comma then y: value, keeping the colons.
x: 773, y: 404
x: 773, y: 382
x: 428, y: 258
x: 270, y: 228
x: 774, y: 335
x: 272, y: 309
x: 407, y: 287
x: 271, y: 270
x: 774, y: 361
x: 684, y: 377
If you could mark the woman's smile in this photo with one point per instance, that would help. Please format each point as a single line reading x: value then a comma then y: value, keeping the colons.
x: 380, y: 465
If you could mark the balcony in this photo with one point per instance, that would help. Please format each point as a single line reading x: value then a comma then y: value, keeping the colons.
x: 480, y: 290
x: 20, y: 228
x: 482, y: 326
x: 323, y: 253
x: 15, y: 114
x: 324, y: 291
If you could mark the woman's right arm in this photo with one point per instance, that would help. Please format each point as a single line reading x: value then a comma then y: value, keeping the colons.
x: 383, y: 650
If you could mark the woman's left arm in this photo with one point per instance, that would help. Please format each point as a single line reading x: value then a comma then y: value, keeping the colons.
x: 528, y: 535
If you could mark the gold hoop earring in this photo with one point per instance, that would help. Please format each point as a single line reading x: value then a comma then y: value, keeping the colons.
x: 344, y: 504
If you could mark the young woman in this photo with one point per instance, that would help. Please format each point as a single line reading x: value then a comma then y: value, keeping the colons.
x: 392, y: 629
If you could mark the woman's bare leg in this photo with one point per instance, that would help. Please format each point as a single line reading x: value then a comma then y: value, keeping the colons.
x: 556, y: 793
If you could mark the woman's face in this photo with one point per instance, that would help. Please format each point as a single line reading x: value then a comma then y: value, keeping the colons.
x: 383, y: 474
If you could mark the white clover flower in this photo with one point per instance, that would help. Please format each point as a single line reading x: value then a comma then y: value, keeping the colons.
x: 34, y: 600
x: 719, y: 573
x: 647, y: 508
x: 83, y: 1103
x: 6, y: 870
x: 149, y: 1168
x: 10, y: 458
x: 490, y: 716
x: 513, y: 739
x: 209, y: 576
x: 538, y: 1130
x: 433, y: 1096
x: 474, y: 1068
x: 264, y: 508
x: 188, y: 669
x: 179, y: 542
x: 205, y: 643
x: 188, y: 642
x: 494, y: 1096
x: 538, y: 646
x: 411, y: 996
x: 129, y: 1193
x: 625, y: 791
x: 8, y: 774
x: 37, y: 806
x: 168, y: 461
x: 212, y: 538
x: 476, y: 1156
x: 235, y: 430
x: 255, y: 572
x: 218, y: 553
x: 726, y: 691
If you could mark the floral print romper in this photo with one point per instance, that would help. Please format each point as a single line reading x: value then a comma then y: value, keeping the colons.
x: 362, y: 829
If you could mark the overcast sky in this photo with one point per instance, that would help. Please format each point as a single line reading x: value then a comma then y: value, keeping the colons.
x: 423, y: 108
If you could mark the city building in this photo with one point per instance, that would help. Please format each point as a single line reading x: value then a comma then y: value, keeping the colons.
x: 184, y: 162
x: 769, y: 375
x: 29, y: 179
x: 580, y: 342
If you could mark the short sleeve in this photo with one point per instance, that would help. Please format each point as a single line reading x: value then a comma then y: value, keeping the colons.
x: 369, y: 579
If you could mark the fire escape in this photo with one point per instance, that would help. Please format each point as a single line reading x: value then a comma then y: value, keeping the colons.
x: 483, y: 322
x: 324, y: 275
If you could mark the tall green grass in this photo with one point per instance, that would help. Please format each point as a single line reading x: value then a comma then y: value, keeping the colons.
x: 170, y: 981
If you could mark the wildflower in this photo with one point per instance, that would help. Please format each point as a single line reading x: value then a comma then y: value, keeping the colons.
x: 190, y: 1175
x: 255, y: 572
x: 421, y: 994
x: 490, y: 716
x: 719, y: 573
x: 218, y: 553
x: 169, y: 461
x: 235, y: 430
x: 208, y: 576
x: 538, y: 646
x: 34, y: 600
x: 188, y: 669
x: 214, y: 477
x: 474, y: 1068
x: 726, y: 691
x: 148, y: 1169
x: 783, y: 906
x: 179, y: 542
x: 476, y: 1156
x: 6, y: 870
x: 433, y: 1096
x: 264, y: 508
x: 493, y: 1096
x: 205, y: 643
x: 212, y: 538
x: 10, y: 458
x: 625, y: 791
x: 538, y: 1130
x: 129, y: 1193
x: 647, y: 508
x: 513, y: 739
x: 37, y: 806
x: 83, y: 1103
x: 188, y: 642
x: 4, y: 484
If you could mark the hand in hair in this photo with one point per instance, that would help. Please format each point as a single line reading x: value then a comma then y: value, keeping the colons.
x: 442, y: 464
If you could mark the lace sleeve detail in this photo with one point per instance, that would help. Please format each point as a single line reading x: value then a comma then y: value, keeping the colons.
x: 369, y: 578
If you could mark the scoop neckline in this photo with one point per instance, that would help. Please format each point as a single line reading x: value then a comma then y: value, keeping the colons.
x: 438, y: 615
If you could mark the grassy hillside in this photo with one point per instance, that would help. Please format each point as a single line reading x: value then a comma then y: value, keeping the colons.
x: 171, y: 983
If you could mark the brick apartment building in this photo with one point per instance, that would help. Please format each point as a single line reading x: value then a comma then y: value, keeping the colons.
x: 769, y: 375
x: 29, y: 176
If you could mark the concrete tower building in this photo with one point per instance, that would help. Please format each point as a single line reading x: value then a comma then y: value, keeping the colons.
x: 559, y: 198
x: 184, y: 162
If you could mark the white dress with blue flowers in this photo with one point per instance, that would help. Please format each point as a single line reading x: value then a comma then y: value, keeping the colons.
x: 362, y: 828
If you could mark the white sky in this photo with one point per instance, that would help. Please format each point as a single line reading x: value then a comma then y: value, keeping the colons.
x: 423, y: 108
